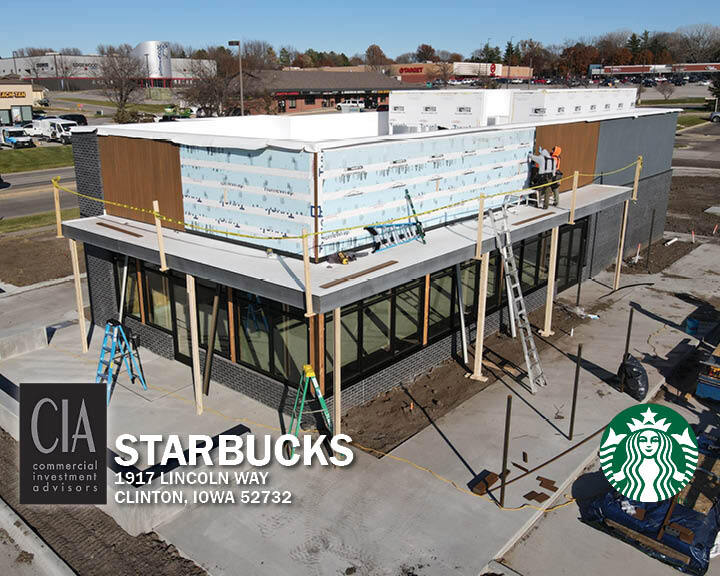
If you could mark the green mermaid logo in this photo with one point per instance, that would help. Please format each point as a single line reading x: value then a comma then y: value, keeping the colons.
x: 648, y: 453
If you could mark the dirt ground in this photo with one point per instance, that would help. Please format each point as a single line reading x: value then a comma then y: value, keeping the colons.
x: 388, y: 420
x: 661, y: 257
x: 689, y: 198
x: 35, y: 256
x: 85, y: 537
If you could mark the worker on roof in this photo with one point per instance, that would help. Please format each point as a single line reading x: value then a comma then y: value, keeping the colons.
x: 545, y: 175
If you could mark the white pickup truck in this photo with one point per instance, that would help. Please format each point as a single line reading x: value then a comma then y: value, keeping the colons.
x: 15, y: 137
x: 56, y: 129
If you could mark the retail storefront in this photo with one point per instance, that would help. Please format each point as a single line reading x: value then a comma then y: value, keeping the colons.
x: 16, y: 99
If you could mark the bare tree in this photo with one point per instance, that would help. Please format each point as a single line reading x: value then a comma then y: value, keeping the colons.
x: 405, y: 58
x: 442, y: 71
x: 699, y: 41
x: 666, y: 89
x: 210, y: 89
x: 118, y: 73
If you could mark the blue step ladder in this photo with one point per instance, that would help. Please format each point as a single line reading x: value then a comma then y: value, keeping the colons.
x: 117, y: 349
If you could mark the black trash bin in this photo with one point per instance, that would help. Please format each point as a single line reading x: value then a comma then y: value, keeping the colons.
x: 636, y: 378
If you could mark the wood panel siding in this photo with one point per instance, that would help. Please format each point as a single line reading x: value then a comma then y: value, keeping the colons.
x: 579, y: 142
x: 136, y: 172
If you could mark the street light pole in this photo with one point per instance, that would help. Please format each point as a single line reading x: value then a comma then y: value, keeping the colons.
x: 238, y: 43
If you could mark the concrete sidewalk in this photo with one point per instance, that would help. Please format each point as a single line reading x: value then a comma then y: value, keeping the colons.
x: 410, y: 512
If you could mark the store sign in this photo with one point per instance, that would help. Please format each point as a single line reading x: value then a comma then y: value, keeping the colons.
x: 63, y: 444
x: 411, y: 70
x: 11, y: 94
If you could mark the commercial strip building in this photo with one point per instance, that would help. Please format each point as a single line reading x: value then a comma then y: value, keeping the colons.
x: 424, y: 72
x: 295, y: 91
x: 16, y: 101
x: 237, y: 195
x: 638, y: 69
x: 68, y: 72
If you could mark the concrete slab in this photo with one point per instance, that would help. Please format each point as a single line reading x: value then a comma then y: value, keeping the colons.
x: 20, y: 341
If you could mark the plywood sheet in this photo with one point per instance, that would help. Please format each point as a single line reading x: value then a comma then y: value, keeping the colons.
x: 136, y: 172
x: 579, y: 142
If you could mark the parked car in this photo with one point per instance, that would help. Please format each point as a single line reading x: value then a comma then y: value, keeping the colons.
x: 79, y: 118
x: 704, y: 82
x: 15, y: 137
x: 351, y: 104
x: 382, y: 108
x: 32, y: 129
x: 715, y: 117
x: 43, y: 102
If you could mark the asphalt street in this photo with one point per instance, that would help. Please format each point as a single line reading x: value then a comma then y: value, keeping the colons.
x: 26, y: 193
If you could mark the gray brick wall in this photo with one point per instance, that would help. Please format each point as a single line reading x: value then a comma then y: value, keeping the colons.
x: 653, y: 193
x: 87, y: 172
x: 101, y: 286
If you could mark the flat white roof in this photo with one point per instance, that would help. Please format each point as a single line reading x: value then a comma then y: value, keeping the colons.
x: 311, y: 132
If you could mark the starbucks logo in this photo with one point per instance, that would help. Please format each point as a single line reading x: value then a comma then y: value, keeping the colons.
x: 648, y: 453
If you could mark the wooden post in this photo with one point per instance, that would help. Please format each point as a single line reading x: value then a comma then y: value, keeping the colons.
x: 638, y: 169
x: 627, y: 350
x: 480, y: 328
x: 306, y: 264
x: 547, y: 330
x: 337, y: 372
x: 161, y: 242
x: 320, y: 370
x: 211, y: 341
x: 573, y: 198
x: 58, y: 213
x: 78, y: 293
x: 426, y: 310
x: 506, y: 447
x: 231, y: 324
x: 194, y: 343
x: 668, y: 517
x: 481, y: 216
x: 621, y: 246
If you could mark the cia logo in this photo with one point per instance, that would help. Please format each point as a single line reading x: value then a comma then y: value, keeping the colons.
x: 648, y: 453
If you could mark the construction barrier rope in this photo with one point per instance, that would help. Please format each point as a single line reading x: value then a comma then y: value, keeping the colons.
x: 56, y: 184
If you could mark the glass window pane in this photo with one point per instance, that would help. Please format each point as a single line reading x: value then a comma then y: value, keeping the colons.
x: 544, y: 258
x: 440, y: 317
x: 376, y: 330
x: 467, y: 277
x: 205, y: 297
x: 254, y: 333
x: 348, y: 344
x: 159, y: 299
x: 529, y: 265
x: 408, y: 318
x: 563, y: 259
x: 132, y: 297
x: 182, y: 317
x: 290, y: 345
x: 491, y: 301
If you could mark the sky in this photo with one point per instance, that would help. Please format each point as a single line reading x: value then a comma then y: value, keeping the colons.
x: 348, y: 26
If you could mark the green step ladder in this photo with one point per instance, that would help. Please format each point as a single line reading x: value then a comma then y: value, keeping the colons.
x: 306, y: 379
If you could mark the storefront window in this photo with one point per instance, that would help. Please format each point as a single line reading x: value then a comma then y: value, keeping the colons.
x: 132, y: 296
x: 253, y: 323
x: 290, y: 343
x: 408, y: 316
x: 376, y: 330
x: 158, y: 290
x: 205, y: 297
x: 468, y: 274
x: 182, y: 316
x: 441, y: 300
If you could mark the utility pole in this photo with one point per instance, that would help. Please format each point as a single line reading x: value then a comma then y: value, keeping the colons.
x: 238, y: 43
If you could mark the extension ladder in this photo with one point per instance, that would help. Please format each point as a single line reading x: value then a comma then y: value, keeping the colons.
x: 386, y: 236
x: 306, y: 379
x: 117, y: 350
x: 516, y: 302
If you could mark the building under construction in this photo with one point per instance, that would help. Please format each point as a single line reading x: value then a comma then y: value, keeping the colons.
x: 369, y: 245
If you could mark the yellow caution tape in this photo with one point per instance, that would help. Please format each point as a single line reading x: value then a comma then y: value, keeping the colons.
x: 56, y: 184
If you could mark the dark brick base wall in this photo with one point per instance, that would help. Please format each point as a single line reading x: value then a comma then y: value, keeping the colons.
x: 86, y: 156
x: 101, y: 284
x: 603, y: 236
